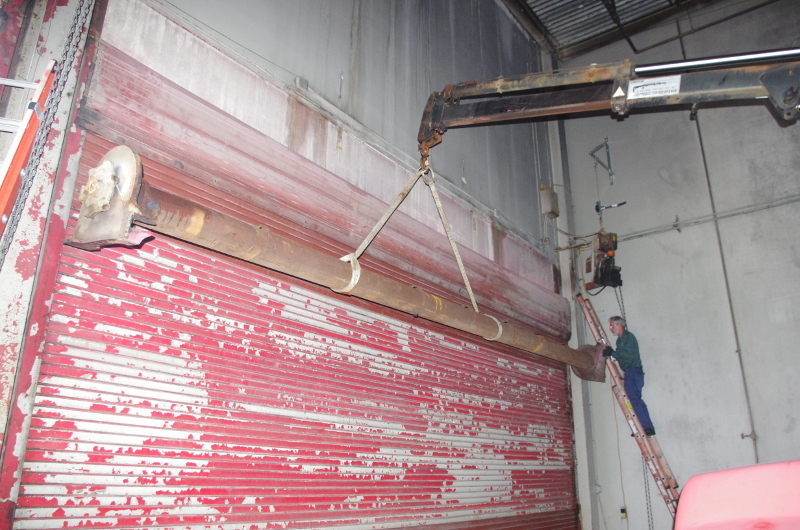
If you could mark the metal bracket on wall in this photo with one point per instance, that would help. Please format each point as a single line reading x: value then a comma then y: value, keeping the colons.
x: 607, y: 165
x: 109, y: 203
x: 783, y: 84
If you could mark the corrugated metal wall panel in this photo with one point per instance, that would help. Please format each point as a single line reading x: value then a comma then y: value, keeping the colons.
x: 181, y: 389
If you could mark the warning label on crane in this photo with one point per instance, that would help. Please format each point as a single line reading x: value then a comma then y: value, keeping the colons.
x: 654, y: 87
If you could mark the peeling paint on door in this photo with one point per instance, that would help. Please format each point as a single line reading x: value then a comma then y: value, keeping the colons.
x: 181, y: 390
x: 234, y: 399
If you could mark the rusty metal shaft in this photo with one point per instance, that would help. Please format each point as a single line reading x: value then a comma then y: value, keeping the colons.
x: 557, y: 79
x: 202, y: 226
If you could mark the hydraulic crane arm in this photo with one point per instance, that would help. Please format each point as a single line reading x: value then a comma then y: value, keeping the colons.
x: 619, y: 88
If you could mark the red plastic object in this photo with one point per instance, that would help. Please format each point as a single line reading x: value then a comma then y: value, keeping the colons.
x: 761, y: 497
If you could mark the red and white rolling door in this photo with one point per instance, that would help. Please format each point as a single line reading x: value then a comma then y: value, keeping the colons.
x: 181, y: 389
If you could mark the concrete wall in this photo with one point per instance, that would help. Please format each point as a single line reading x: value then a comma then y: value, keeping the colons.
x: 376, y: 63
x: 711, y: 304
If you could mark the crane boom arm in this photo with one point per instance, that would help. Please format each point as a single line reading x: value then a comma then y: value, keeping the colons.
x: 619, y: 88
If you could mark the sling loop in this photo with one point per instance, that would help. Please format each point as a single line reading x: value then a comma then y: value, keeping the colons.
x: 499, y: 329
x: 355, y: 274
x: 430, y: 180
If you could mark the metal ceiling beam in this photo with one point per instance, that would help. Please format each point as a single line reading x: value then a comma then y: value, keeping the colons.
x: 611, y: 7
x: 526, y: 18
x: 571, y: 51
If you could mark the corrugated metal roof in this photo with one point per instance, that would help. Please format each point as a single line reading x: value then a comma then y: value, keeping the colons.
x: 572, y: 27
x: 577, y: 20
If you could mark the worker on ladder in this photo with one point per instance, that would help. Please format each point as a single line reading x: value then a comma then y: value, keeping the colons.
x: 627, y: 354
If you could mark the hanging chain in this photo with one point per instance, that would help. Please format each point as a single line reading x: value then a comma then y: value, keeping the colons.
x: 647, y: 495
x: 621, y: 303
x: 596, y: 179
x: 63, y: 69
x: 648, y: 504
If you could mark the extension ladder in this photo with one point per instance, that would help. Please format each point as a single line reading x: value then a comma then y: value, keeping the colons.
x: 12, y: 169
x: 651, y: 451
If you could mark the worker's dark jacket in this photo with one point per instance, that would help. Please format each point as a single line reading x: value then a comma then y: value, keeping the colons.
x: 628, y: 351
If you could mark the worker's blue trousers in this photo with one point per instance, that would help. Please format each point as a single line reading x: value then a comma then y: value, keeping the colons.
x: 634, y: 381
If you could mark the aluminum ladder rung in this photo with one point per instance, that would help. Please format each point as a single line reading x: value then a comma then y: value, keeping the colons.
x: 9, y: 125
x: 17, y: 83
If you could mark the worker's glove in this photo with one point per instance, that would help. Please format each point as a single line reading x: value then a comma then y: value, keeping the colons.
x: 607, y: 351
